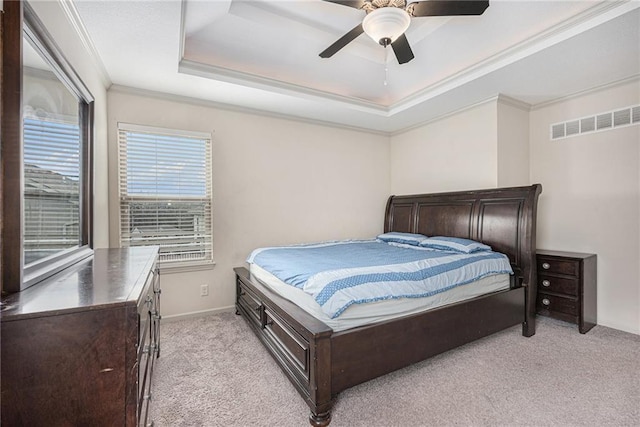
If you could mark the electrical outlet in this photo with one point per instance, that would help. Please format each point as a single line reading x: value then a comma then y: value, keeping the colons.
x: 204, y: 290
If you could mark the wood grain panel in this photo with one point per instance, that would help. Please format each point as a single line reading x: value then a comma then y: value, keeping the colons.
x: 12, y: 147
x: 51, y: 384
x: 368, y: 352
x: 445, y: 219
x: 401, y: 218
x: 498, y: 226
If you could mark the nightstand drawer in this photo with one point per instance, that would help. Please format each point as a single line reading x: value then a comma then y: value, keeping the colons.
x: 558, y: 266
x: 557, y: 284
x: 557, y: 304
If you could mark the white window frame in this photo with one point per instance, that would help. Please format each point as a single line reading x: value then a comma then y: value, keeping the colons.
x: 123, y: 198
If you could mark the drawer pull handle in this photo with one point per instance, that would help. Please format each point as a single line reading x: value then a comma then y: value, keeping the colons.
x: 546, y: 265
x: 258, y: 308
x: 242, y: 293
x: 546, y: 301
x: 546, y: 283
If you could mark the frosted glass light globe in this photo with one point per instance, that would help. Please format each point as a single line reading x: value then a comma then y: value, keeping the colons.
x: 386, y: 24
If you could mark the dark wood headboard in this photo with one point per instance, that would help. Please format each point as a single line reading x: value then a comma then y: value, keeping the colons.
x: 503, y: 218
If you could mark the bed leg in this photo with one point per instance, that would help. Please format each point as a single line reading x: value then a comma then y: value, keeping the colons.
x: 320, y: 420
x: 528, y: 328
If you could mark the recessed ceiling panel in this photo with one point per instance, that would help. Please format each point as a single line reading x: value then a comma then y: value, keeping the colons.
x: 279, y: 42
x: 263, y: 55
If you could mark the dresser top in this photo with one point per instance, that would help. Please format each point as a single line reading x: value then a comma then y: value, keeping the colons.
x: 564, y: 254
x: 109, y: 277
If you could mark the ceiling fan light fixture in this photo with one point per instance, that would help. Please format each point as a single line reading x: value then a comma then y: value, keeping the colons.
x: 384, y: 25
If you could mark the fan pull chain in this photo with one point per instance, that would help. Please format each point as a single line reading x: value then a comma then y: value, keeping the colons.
x: 386, y: 62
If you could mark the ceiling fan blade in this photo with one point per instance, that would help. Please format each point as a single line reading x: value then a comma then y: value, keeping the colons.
x: 357, y: 4
x: 342, y: 42
x: 449, y: 7
x: 402, y: 49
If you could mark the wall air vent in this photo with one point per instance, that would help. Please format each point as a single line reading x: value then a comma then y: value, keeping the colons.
x: 627, y: 116
x: 622, y: 117
x: 635, y: 114
x: 573, y: 127
x: 603, y: 121
x: 588, y: 124
x: 557, y: 131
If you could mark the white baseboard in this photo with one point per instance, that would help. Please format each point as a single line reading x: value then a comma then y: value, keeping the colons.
x: 181, y: 316
x: 619, y: 326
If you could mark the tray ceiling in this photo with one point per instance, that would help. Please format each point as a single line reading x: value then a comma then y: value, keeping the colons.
x: 263, y: 55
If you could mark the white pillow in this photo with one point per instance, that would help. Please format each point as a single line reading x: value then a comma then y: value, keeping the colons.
x: 454, y: 244
x: 406, y: 238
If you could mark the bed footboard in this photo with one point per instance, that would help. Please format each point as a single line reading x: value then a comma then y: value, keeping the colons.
x: 298, y: 342
x: 371, y: 351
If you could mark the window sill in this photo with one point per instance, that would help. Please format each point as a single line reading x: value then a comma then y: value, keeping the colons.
x: 186, y: 268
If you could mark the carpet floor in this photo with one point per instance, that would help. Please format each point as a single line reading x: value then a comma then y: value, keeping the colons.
x: 213, y: 371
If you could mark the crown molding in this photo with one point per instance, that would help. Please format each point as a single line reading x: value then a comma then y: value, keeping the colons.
x: 590, y: 18
x: 194, y: 68
x: 513, y: 102
x: 236, y: 109
x: 446, y: 115
x: 74, y: 18
x: 631, y: 79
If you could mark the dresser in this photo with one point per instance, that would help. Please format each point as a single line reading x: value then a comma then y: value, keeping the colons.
x: 79, y: 348
x: 567, y: 287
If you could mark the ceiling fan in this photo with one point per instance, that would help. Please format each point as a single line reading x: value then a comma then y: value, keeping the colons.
x: 387, y: 20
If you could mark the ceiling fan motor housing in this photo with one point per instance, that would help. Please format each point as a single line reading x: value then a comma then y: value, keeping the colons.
x: 384, y: 25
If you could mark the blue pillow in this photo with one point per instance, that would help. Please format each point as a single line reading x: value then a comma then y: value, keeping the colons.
x: 454, y: 244
x: 406, y: 238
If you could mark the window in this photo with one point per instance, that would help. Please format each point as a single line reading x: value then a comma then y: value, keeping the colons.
x: 165, y: 192
x: 47, y: 130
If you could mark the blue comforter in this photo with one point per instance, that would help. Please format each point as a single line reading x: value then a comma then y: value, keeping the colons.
x: 339, y: 274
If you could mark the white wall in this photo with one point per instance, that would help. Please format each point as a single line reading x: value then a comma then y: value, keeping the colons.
x: 275, y: 181
x: 56, y: 22
x: 591, y: 184
x: 591, y: 197
x: 455, y: 153
x: 513, y: 144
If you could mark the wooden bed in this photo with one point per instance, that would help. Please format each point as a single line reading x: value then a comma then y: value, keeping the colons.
x: 321, y: 363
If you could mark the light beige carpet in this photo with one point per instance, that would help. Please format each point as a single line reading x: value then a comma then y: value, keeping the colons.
x: 214, y: 372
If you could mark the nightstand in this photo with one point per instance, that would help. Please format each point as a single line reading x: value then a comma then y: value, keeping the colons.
x: 567, y: 287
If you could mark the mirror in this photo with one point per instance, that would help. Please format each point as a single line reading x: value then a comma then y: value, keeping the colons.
x: 46, y: 163
x: 51, y: 155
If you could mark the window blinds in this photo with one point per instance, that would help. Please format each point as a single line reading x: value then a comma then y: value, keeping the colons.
x: 165, y: 192
x: 51, y: 187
